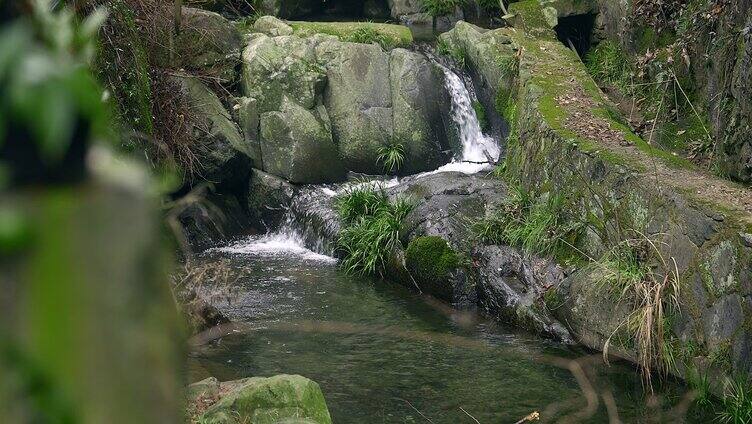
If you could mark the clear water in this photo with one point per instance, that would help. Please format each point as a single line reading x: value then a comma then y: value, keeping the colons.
x: 382, y: 353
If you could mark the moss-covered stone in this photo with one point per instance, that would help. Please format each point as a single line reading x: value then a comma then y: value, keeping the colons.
x: 387, y: 35
x: 270, y: 400
x: 430, y: 260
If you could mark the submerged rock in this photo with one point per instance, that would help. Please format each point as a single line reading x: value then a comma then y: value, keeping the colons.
x: 258, y: 400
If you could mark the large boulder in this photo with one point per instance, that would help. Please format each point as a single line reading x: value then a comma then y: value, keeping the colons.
x: 296, y: 144
x: 221, y: 152
x: 207, y: 42
x: 274, y: 67
x: 358, y: 100
x: 272, y: 26
x: 416, y: 86
x: 282, y: 398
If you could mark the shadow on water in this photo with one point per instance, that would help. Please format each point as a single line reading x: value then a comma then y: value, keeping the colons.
x: 384, y: 354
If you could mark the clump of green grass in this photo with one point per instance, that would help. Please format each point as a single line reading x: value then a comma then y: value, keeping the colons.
x: 457, y: 53
x: 636, y: 272
x: 737, y: 402
x: 534, y: 222
x: 372, y: 226
x: 369, y: 35
x: 438, y: 8
x: 392, y: 156
x: 489, y: 5
x: 608, y: 64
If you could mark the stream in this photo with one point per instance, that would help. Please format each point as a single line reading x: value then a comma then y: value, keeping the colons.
x: 383, y: 354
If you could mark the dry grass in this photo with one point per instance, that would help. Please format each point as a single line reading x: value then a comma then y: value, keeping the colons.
x: 637, y: 273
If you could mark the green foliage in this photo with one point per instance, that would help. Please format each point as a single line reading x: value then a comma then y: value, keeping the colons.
x: 608, y: 64
x: 372, y: 226
x: 490, y: 5
x: 700, y: 384
x: 388, y: 35
x: 430, y: 259
x: 369, y: 35
x: 534, y: 222
x: 480, y: 113
x: 392, y: 156
x: 46, y: 84
x: 622, y: 269
x: 437, y: 8
x: 737, y: 402
x: 456, y: 52
x: 122, y: 63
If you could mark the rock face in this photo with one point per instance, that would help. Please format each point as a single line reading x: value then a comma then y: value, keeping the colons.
x: 297, y: 144
x: 358, y: 100
x: 269, y: 197
x: 208, y: 42
x: 327, y: 106
x: 418, y: 120
x: 222, y: 153
x: 696, y: 230
x: 282, y: 398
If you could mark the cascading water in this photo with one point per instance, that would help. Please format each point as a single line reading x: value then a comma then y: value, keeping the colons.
x: 298, y: 233
x: 478, y: 149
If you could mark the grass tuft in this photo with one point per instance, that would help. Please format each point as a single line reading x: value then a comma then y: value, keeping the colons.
x: 636, y: 272
x: 533, y: 222
x: 737, y: 402
x: 392, y: 156
x: 372, y: 226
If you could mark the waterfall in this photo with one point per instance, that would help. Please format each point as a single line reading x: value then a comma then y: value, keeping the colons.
x: 311, y: 221
x: 476, y: 146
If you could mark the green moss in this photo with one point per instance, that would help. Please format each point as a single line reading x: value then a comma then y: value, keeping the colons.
x: 388, y: 35
x: 430, y: 259
x: 553, y: 299
x: 480, y: 113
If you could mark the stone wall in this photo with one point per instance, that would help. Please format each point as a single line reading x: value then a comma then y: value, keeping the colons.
x: 569, y: 141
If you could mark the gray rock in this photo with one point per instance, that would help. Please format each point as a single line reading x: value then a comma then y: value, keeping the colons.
x: 297, y: 145
x: 219, y: 146
x: 249, y: 120
x: 416, y: 86
x: 272, y: 26
x: 278, y: 67
x: 511, y: 286
x: 269, y: 198
x: 208, y: 43
x: 358, y: 101
x: 721, y: 320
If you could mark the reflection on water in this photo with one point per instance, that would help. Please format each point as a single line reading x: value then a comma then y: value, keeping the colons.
x: 383, y: 354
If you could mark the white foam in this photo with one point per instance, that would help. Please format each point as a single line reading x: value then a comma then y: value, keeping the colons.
x: 283, y: 243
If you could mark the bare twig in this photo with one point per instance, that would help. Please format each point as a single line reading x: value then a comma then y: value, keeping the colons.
x: 468, y: 414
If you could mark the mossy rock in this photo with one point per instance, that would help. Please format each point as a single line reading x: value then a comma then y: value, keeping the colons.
x: 388, y: 35
x: 431, y: 261
x: 258, y: 400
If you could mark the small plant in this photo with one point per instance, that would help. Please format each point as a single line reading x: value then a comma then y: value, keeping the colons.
x: 437, y: 8
x: 392, y: 156
x: 737, y: 402
x: 490, y: 5
x: 700, y: 385
x: 368, y: 35
x: 608, y: 63
x: 372, y: 226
